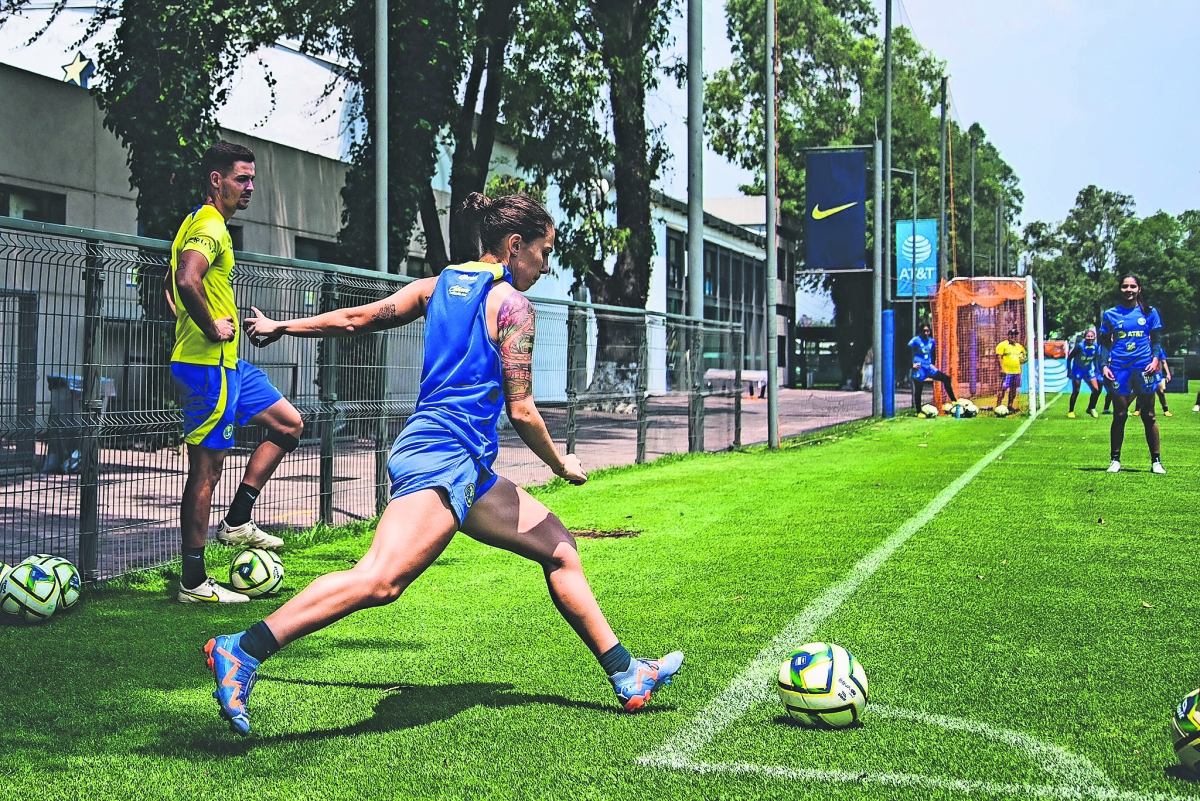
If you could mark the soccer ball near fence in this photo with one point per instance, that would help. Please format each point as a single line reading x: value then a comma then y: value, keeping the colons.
x: 969, y: 409
x: 69, y: 584
x: 30, y: 592
x: 1001, y: 411
x: 256, y: 571
x: 1185, y: 731
x: 929, y: 410
x: 822, y: 685
x: 948, y: 407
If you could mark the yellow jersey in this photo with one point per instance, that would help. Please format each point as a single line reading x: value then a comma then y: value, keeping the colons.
x: 204, y: 231
x: 1012, y: 356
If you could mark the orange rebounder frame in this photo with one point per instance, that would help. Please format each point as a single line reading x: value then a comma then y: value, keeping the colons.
x: 971, y: 316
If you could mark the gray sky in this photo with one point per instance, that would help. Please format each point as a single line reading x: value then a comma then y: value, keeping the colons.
x: 1073, y: 92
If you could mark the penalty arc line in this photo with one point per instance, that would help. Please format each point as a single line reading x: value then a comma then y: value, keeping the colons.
x: 754, y: 683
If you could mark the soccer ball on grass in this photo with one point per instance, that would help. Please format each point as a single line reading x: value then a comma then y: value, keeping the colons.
x: 969, y: 409
x: 1185, y: 731
x: 30, y: 592
x: 256, y: 572
x: 69, y: 584
x: 1001, y: 411
x: 822, y: 685
x: 929, y: 410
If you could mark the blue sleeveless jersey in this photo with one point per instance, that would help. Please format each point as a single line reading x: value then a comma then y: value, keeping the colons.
x: 461, y: 391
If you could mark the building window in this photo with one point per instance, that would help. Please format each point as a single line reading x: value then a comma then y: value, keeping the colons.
x: 317, y: 250
x: 32, y: 204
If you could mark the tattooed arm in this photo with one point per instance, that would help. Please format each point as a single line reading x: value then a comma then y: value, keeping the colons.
x: 396, y: 310
x: 516, y: 324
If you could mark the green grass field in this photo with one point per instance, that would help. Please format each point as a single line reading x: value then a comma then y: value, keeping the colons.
x: 1030, y: 640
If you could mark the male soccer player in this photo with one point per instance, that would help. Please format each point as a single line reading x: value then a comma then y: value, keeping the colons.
x: 216, y: 389
x: 1012, y: 355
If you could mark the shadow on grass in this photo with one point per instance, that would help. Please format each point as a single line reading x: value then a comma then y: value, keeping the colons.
x: 1177, y: 771
x: 785, y: 720
x: 405, y: 706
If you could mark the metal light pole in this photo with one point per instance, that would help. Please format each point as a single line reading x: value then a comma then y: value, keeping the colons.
x: 381, y: 136
x: 887, y: 147
x: 972, y: 206
x: 695, y: 79
x: 877, y: 295
x: 771, y: 237
x: 943, y: 270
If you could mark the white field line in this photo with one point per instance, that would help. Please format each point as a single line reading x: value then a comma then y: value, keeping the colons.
x: 754, y: 683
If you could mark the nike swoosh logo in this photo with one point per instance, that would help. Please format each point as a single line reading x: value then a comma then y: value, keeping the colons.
x: 818, y: 214
x: 200, y: 597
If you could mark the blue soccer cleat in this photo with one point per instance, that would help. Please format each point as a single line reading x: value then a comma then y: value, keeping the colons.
x: 235, y: 672
x: 643, y: 677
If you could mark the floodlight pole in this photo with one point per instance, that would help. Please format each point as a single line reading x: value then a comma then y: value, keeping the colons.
x: 772, y: 324
x: 877, y: 295
x: 695, y: 79
x: 972, y: 205
x: 913, y: 255
x: 943, y: 269
x: 381, y: 136
x: 887, y: 146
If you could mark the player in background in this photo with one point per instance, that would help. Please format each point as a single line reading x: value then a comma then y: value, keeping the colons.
x: 1165, y: 378
x: 1012, y: 355
x: 479, y: 335
x: 924, y: 354
x: 1130, y: 332
x: 217, y: 390
x: 1083, y: 365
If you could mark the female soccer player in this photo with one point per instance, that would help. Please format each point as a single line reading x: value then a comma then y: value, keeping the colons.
x: 479, y: 332
x: 1129, y: 331
x: 1164, y: 373
x: 1083, y: 363
x: 924, y: 346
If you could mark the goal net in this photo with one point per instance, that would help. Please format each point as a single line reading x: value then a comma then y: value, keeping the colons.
x: 971, y: 316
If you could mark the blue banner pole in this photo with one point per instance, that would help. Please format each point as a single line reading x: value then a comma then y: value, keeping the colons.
x: 886, y: 375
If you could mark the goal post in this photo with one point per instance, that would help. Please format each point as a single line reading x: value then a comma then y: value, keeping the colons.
x: 971, y: 316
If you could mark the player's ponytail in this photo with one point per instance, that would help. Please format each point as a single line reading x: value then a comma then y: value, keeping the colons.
x: 481, y: 225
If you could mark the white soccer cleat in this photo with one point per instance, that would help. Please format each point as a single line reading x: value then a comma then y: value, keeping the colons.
x: 1196, y: 408
x: 1114, y: 466
x: 247, y: 535
x: 209, y: 592
x: 1157, y: 467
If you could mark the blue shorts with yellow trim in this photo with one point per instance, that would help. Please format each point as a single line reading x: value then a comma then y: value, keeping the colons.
x: 426, y: 456
x: 215, y: 398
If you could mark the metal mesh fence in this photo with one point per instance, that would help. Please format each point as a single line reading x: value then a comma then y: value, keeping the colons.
x: 92, y: 464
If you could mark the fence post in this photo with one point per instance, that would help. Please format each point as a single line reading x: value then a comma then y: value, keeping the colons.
x: 382, y: 445
x: 576, y: 367
x: 93, y: 404
x: 327, y: 416
x: 642, y: 387
x: 740, y: 354
x: 696, y: 385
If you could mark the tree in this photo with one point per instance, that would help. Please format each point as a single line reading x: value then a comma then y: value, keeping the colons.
x: 1161, y: 252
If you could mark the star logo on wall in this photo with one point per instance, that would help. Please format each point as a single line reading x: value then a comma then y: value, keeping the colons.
x: 79, y: 71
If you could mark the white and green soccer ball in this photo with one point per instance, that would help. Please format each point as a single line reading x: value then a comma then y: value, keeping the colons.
x: 822, y: 685
x: 1001, y: 411
x: 929, y: 410
x: 948, y: 407
x: 70, y: 586
x: 256, y: 572
x: 969, y: 409
x: 29, y: 592
x: 1185, y: 731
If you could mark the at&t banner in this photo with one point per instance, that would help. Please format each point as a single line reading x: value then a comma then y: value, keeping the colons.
x: 836, y: 218
x: 916, y: 255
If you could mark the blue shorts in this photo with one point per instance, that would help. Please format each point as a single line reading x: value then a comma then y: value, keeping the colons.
x: 214, y: 398
x: 1132, y: 382
x: 924, y: 372
x: 1011, y: 381
x: 426, y: 456
x: 1085, y: 375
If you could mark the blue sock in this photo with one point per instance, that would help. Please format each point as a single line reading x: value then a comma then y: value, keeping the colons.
x: 259, y: 641
x: 615, y: 660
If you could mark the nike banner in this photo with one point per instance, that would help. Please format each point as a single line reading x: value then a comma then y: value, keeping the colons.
x: 916, y: 255
x: 836, y: 220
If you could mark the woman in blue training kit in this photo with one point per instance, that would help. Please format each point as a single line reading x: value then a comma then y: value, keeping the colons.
x: 479, y: 332
x: 924, y: 350
x: 1129, y: 331
x: 1083, y: 364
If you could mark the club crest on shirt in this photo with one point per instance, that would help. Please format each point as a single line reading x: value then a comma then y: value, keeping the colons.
x: 459, y: 291
x: 228, y: 432
x: 469, y: 495
x: 1141, y: 321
